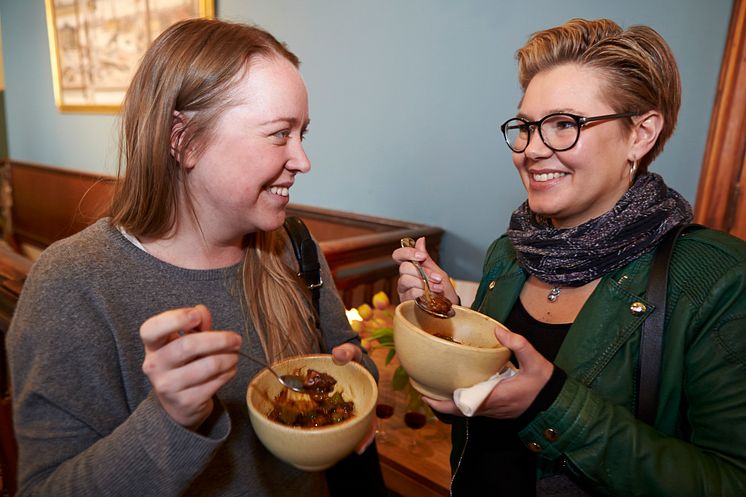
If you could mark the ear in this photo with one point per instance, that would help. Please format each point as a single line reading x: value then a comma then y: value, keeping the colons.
x: 178, y: 127
x: 645, y: 133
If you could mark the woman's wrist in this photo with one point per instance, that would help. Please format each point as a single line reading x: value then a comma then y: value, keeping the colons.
x: 546, y: 397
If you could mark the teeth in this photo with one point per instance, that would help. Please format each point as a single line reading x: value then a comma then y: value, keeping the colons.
x: 279, y: 190
x: 547, y: 176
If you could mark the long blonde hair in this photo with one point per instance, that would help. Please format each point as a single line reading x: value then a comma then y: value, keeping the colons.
x: 190, y: 69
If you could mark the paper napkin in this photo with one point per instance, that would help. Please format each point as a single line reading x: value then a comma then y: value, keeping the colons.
x: 469, y: 399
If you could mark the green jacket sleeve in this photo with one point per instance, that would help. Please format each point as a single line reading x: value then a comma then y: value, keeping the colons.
x: 698, y: 444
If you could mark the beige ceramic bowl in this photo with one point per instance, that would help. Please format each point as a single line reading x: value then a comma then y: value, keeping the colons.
x: 313, y: 449
x: 436, y: 367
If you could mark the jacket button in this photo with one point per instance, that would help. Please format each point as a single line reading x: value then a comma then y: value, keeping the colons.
x: 534, y: 447
x: 492, y: 285
x: 551, y: 434
x: 637, y: 308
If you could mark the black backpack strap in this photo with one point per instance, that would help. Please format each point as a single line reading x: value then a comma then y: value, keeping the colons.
x: 651, y: 339
x: 307, y: 255
x: 362, y: 472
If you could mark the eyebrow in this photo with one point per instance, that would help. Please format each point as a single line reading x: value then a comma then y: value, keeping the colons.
x: 553, y: 111
x: 290, y: 120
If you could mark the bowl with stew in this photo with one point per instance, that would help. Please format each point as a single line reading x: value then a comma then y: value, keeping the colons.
x: 312, y: 433
x: 441, y: 355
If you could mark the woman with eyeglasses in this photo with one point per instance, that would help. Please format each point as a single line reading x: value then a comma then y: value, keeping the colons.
x: 570, y: 277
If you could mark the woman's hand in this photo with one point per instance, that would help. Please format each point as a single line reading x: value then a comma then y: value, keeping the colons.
x: 511, y: 397
x: 410, y: 283
x: 185, y: 368
x: 369, y: 437
x: 342, y: 354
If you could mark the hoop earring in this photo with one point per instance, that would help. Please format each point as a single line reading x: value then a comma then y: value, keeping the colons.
x: 632, y: 172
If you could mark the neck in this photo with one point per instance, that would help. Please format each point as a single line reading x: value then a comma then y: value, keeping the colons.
x: 564, y: 309
x: 188, y: 247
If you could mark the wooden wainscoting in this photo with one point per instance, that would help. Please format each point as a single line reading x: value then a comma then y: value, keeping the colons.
x: 46, y: 204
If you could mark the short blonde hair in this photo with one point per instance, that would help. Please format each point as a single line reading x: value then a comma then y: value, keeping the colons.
x: 637, y: 64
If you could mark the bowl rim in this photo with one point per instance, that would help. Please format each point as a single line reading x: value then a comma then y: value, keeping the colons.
x: 447, y: 343
x: 357, y: 419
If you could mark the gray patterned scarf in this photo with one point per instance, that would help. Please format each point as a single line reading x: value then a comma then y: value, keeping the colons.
x: 576, y: 256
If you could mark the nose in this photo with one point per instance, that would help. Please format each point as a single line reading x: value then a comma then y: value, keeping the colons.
x: 298, y: 161
x: 536, y: 148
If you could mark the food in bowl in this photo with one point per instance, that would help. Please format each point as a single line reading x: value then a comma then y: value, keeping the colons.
x: 321, y: 406
x: 313, y: 448
x: 464, y: 352
x: 444, y: 337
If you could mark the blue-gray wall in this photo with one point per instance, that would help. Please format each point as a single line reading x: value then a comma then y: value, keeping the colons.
x: 406, y: 99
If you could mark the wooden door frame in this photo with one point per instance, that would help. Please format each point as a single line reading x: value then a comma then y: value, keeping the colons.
x: 721, y: 182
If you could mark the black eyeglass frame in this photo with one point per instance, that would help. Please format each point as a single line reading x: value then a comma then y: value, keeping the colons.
x: 580, y: 121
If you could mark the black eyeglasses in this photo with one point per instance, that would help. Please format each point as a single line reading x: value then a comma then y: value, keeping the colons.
x: 559, y: 131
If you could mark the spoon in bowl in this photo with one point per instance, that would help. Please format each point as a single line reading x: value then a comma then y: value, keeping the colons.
x: 292, y: 381
x: 432, y: 303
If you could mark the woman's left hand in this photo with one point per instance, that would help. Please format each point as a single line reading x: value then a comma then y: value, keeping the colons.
x: 342, y: 354
x: 511, y: 397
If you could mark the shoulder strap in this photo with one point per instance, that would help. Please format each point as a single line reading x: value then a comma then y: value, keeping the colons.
x: 355, y: 468
x: 651, y: 339
x: 307, y: 255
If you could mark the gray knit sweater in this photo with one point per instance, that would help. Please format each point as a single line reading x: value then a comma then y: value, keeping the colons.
x: 86, y: 421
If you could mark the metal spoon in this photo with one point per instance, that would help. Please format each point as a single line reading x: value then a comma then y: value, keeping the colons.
x: 432, y: 303
x: 291, y: 381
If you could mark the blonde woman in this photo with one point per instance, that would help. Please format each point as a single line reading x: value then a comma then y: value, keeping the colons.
x: 123, y: 347
x: 569, y: 279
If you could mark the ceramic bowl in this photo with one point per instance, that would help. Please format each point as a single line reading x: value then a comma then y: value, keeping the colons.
x: 436, y: 366
x: 313, y: 449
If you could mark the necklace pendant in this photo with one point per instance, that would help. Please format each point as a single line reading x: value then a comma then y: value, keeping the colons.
x: 553, y: 294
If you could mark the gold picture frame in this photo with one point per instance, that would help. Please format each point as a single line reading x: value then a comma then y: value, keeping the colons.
x: 95, y: 45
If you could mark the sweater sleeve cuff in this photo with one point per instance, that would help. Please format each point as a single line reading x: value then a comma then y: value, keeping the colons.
x: 547, y: 395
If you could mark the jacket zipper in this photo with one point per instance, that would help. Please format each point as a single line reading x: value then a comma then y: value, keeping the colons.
x: 460, y: 458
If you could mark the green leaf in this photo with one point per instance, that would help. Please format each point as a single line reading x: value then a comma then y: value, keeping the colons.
x: 390, y: 356
x: 382, y: 333
x: 400, y: 379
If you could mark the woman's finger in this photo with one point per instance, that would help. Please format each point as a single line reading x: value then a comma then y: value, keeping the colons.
x: 159, y: 329
x: 443, y: 406
x: 342, y: 354
x: 188, y: 348
x: 368, y: 439
x: 199, y: 372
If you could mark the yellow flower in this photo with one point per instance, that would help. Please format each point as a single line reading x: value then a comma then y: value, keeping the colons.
x: 365, y: 311
x: 381, y: 300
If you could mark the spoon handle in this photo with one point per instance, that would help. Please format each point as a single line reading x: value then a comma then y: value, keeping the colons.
x: 252, y: 358
x: 409, y: 243
x: 260, y: 362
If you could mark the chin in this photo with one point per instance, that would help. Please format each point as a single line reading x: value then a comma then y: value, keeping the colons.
x: 541, y: 209
x: 271, y: 223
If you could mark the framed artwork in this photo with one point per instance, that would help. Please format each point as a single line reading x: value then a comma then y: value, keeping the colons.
x: 95, y: 45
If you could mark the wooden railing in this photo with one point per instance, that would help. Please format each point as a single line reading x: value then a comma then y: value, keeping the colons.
x: 47, y: 204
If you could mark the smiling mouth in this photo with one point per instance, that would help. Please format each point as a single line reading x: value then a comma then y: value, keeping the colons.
x: 279, y: 190
x: 547, y: 176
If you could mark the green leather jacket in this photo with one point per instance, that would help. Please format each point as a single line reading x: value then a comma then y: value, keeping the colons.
x: 698, y: 444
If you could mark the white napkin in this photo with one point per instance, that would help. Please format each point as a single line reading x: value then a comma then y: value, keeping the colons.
x: 469, y: 399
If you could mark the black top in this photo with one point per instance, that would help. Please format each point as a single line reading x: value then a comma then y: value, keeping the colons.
x: 497, y: 439
x: 546, y: 338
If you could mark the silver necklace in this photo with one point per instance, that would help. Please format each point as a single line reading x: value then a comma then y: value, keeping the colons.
x: 553, y: 294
